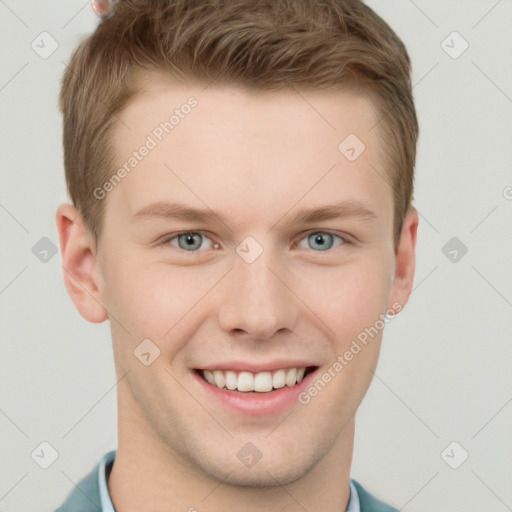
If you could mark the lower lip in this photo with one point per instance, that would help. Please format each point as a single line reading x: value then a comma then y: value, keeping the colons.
x: 255, y: 403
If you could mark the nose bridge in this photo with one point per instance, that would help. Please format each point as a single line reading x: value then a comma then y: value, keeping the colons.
x: 258, y: 302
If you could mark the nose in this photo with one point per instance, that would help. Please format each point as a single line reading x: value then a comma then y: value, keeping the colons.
x: 256, y: 301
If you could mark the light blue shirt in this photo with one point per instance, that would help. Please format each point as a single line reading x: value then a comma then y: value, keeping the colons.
x: 106, y: 502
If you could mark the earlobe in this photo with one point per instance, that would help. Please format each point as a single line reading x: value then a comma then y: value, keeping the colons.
x: 78, y: 264
x: 405, y: 263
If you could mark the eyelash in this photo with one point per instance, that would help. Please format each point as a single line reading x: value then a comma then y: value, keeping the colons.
x: 167, y: 240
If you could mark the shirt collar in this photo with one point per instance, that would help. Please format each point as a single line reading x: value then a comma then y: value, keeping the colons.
x: 107, y: 506
x: 105, y: 467
x: 353, y: 504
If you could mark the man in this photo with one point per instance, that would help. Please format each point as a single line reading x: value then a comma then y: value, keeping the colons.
x: 241, y: 175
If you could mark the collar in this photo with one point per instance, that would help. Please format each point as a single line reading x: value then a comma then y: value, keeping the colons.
x: 106, y: 503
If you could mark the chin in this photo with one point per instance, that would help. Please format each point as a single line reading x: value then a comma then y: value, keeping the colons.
x: 278, y: 471
x: 273, y: 476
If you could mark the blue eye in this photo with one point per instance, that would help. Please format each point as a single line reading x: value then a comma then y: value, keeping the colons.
x: 192, y: 241
x: 189, y: 241
x: 322, y: 241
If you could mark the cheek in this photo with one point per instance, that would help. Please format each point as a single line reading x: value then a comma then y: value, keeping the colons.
x: 352, y: 302
x: 153, y: 300
x: 350, y: 298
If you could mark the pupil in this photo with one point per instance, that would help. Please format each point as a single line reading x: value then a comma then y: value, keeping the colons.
x: 321, y: 240
x: 187, y: 240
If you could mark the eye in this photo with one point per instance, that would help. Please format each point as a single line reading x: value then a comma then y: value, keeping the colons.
x: 189, y: 241
x: 322, y: 241
x: 192, y: 241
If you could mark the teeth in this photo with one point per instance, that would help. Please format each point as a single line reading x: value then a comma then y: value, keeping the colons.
x: 261, y: 382
x: 231, y: 380
x: 219, y: 378
x: 279, y: 379
x: 291, y: 377
x: 209, y: 376
x: 245, y: 381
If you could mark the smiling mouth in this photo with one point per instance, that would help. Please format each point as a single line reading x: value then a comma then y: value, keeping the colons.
x: 261, y: 382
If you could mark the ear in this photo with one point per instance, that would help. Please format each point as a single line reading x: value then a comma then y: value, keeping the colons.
x: 405, y: 263
x: 78, y: 264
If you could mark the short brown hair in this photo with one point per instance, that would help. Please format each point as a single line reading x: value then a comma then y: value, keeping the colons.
x: 259, y: 44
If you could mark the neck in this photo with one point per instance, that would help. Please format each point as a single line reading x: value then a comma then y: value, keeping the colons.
x: 149, y: 475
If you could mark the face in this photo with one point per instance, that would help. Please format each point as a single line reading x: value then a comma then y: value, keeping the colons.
x: 253, y: 255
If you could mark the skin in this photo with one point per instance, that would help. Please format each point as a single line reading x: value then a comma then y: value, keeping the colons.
x: 254, y: 159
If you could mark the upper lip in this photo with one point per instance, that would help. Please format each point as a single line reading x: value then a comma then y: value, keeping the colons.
x: 239, y: 366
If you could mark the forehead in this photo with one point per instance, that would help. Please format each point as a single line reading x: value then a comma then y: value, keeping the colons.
x: 333, y: 110
x: 247, y: 150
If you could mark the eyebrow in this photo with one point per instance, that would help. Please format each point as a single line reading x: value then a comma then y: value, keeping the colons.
x: 179, y: 211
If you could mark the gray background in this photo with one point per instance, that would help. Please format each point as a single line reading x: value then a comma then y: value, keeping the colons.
x: 444, y: 373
